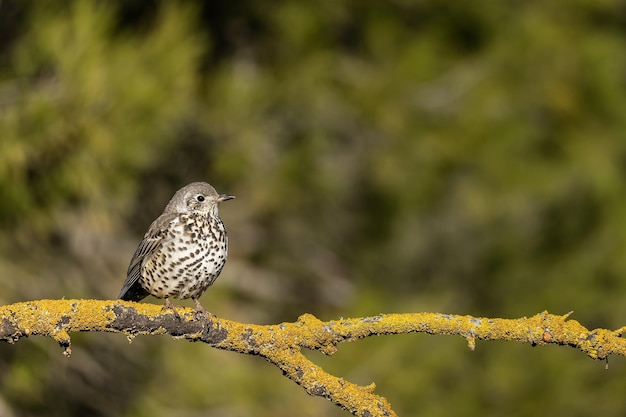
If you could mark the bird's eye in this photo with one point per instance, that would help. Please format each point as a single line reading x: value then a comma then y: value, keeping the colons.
x: 200, y: 198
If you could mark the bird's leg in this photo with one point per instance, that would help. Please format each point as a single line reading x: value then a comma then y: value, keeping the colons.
x: 200, y: 311
x: 169, y: 306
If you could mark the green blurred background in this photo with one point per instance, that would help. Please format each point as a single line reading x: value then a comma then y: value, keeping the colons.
x: 397, y: 156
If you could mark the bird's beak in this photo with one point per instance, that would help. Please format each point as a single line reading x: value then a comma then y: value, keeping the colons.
x: 224, y: 197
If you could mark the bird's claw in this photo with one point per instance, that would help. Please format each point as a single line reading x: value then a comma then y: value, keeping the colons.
x: 169, y: 306
x: 201, y: 313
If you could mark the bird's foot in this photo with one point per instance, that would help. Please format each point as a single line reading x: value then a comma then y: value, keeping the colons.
x: 201, y: 312
x: 169, y: 306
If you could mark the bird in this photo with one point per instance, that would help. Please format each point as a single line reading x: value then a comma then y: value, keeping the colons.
x: 183, y: 251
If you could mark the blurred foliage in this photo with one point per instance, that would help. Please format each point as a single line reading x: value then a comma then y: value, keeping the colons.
x: 386, y: 156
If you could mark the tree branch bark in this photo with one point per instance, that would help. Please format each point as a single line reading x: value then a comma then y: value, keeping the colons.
x: 281, y: 344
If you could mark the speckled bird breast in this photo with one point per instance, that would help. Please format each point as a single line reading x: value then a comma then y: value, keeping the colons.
x: 189, y: 259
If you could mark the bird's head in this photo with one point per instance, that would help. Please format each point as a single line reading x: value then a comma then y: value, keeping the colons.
x: 197, y: 197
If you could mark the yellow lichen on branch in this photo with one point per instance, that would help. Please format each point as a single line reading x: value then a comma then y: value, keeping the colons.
x: 281, y: 344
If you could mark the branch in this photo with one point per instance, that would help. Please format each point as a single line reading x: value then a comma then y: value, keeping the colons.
x: 281, y: 344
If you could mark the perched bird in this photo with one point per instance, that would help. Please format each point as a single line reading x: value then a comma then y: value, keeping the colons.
x: 183, y: 251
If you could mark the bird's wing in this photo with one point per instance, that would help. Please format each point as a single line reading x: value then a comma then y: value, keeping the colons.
x: 132, y: 290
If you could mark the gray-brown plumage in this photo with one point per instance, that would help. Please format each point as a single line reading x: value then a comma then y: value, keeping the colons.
x: 183, y: 251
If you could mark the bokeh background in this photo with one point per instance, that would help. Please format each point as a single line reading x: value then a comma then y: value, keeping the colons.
x: 398, y: 156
